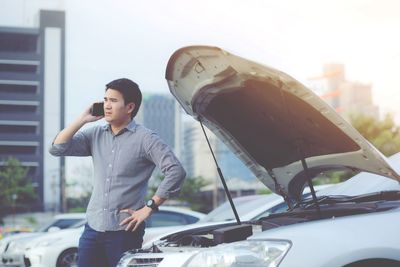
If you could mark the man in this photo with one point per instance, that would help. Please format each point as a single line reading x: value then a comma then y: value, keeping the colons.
x: 124, y: 156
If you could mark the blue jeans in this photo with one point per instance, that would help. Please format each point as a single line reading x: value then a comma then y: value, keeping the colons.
x: 104, y: 249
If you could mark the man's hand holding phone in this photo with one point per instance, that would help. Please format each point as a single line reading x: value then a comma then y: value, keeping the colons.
x: 67, y: 133
x: 93, y: 113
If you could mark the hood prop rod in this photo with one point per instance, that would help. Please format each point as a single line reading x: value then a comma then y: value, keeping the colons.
x: 314, y: 196
x: 300, y: 152
x: 221, y: 176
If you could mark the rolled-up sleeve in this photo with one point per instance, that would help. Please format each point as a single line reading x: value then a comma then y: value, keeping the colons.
x: 164, y: 158
x: 79, y: 145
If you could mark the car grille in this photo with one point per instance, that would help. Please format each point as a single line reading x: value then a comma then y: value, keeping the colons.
x: 8, y: 244
x: 27, y: 262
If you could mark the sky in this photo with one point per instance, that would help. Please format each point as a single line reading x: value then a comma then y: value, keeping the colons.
x: 108, y: 39
x: 134, y: 39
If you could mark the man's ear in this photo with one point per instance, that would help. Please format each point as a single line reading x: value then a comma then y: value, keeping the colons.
x: 131, y: 106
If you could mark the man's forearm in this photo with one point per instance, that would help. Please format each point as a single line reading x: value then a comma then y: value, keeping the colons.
x: 158, y: 200
x: 67, y: 133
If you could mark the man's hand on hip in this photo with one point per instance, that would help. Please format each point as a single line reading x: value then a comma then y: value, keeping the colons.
x: 136, y: 218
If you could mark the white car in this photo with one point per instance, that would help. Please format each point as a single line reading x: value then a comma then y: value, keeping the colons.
x: 60, y: 249
x: 12, y: 247
x: 287, y: 136
x: 252, y: 207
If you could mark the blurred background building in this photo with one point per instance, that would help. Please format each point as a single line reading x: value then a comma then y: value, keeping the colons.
x: 198, y: 159
x: 32, y: 94
x: 159, y: 113
x: 346, y: 97
x: 198, y: 162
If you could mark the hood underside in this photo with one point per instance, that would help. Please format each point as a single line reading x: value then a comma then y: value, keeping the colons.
x: 268, y: 119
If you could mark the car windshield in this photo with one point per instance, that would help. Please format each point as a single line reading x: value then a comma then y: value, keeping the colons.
x: 60, y: 223
x: 365, y: 183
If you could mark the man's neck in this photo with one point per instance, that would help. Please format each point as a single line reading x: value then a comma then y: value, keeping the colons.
x: 117, y: 127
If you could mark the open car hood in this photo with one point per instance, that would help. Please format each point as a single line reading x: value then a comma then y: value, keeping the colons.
x: 268, y: 119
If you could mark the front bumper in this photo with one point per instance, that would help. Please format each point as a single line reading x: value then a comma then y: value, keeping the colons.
x: 42, y: 256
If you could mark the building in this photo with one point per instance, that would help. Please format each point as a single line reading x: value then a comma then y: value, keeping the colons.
x: 198, y: 159
x: 198, y: 162
x: 356, y: 98
x: 196, y: 155
x: 346, y: 97
x: 158, y: 112
x: 32, y: 55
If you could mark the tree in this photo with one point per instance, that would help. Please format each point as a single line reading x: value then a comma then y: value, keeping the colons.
x: 383, y: 134
x: 190, y: 193
x: 15, y: 188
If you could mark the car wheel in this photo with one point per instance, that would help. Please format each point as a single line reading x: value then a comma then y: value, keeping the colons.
x: 374, y: 262
x: 68, y: 258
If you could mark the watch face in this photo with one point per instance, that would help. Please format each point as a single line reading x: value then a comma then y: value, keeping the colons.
x: 150, y: 203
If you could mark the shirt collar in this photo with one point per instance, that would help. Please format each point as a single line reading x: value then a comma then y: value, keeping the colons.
x: 130, y: 127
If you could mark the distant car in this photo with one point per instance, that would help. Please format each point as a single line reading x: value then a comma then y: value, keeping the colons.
x: 63, y: 221
x: 287, y: 136
x: 12, y: 247
x: 59, y: 249
x: 7, y: 231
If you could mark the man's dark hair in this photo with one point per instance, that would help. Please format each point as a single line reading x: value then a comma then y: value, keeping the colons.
x: 130, y: 92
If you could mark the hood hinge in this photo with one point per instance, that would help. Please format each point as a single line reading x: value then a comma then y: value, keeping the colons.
x: 279, y: 189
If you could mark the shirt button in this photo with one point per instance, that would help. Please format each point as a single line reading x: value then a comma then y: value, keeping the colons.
x: 105, y: 209
x: 110, y: 165
x: 105, y: 194
x: 112, y: 151
x: 108, y: 179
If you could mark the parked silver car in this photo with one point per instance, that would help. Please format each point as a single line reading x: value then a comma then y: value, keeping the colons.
x: 287, y: 136
x: 60, y: 249
x: 12, y: 247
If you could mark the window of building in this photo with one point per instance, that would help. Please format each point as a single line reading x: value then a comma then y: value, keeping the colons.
x: 17, y: 150
x: 18, y: 129
x: 23, y: 68
x: 18, y: 88
x: 18, y: 42
x: 18, y: 108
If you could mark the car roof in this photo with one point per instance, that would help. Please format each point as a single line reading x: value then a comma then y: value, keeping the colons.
x: 70, y: 216
x: 182, y: 210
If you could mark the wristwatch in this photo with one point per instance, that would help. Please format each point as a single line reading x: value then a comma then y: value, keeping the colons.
x: 152, y: 204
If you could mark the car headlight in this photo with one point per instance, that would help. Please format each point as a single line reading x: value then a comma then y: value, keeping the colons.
x: 139, y: 259
x: 15, y: 246
x: 249, y: 253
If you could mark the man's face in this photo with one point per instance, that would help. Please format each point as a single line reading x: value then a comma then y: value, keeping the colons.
x: 115, y: 110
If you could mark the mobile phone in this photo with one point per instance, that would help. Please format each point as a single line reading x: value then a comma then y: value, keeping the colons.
x: 97, y: 109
